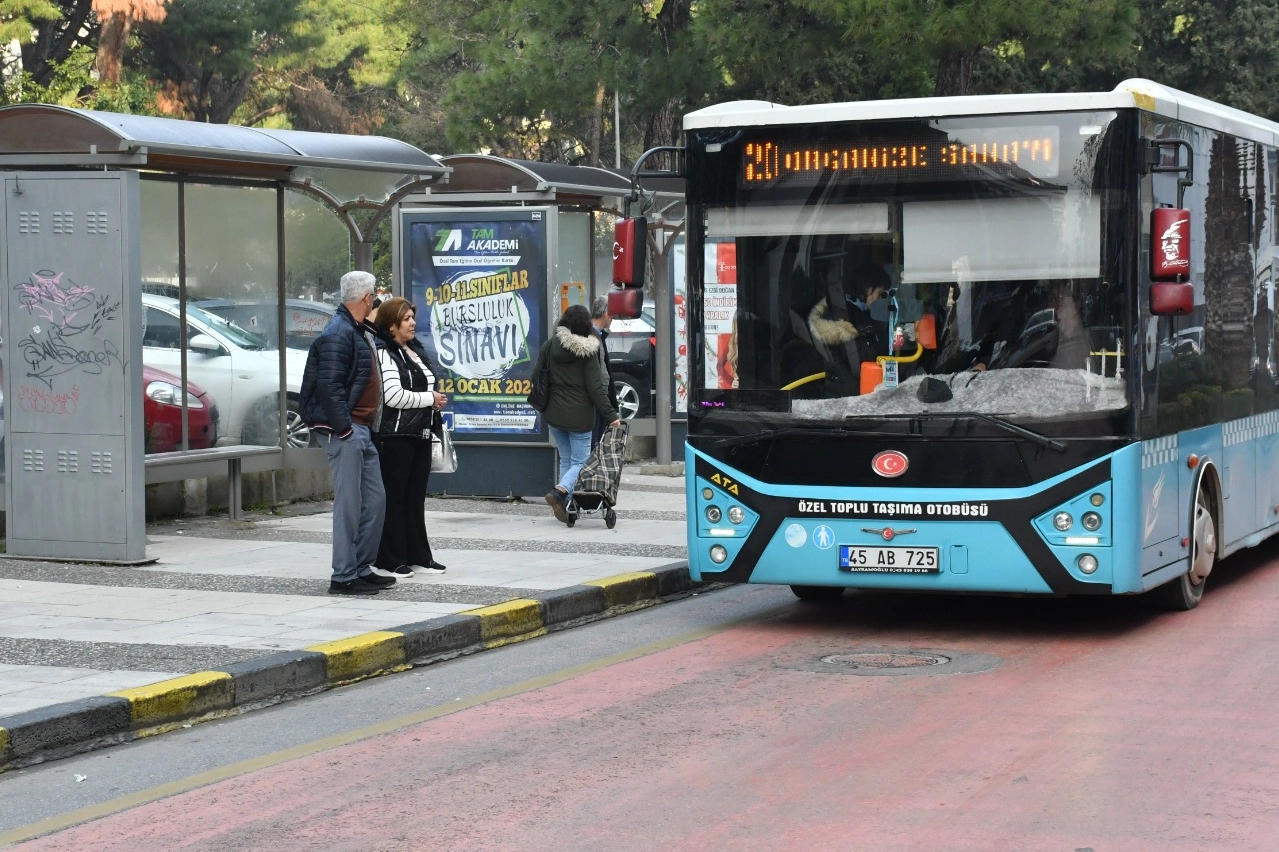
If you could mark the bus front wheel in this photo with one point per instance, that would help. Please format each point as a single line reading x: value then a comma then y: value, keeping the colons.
x: 1186, y: 591
x: 818, y: 593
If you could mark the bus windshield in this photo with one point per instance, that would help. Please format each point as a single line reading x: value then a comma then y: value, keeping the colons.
x: 872, y: 270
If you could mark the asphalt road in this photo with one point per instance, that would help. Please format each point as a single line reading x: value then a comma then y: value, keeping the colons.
x: 742, y: 719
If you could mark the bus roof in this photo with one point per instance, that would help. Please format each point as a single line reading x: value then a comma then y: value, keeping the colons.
x: 1136, y: 93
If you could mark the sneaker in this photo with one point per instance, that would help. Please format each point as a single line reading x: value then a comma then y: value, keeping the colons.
x: 433, y: 568
x: 352, y: 587
x: 557, y: 500
x: 378, y: 582
x: 382, y: 572
x: 403, y: 572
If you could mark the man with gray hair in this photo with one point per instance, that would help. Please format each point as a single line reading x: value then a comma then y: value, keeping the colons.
x: 341, y: 400
x: 601, y: 319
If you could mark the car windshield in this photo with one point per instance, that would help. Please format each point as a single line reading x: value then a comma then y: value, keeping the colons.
x: 238, y: 335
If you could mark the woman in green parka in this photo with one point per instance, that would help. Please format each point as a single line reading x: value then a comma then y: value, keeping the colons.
x: 579, y: 388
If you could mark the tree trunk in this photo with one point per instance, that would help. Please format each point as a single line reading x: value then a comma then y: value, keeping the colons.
x: 597, y: 127
x: 955, y: 74
x: 53, y: 41
x: 115, y: 34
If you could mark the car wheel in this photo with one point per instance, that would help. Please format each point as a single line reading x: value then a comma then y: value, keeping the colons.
x: 628, y: 399
x: 296, y: 429
x: 262, y: 425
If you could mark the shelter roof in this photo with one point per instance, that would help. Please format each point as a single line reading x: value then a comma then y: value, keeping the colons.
x: 566, y: 184
x: 348, y: 166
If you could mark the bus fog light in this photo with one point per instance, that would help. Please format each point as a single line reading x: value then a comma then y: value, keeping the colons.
x: 736, y: 515
x: 1063, y: 521
x: 1091, y: 521
x: 713, y: 514
x: 1087, y: 563
x: 1097, y: 499
x: 718, y: 553
x: 707, y: 494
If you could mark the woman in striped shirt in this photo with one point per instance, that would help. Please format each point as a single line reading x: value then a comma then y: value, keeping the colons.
x: 410, y: 415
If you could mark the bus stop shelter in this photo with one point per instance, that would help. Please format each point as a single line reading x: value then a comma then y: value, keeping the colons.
x: 117, y: 228
x: 491, y: 260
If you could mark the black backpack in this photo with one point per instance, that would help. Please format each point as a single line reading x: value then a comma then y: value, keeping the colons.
x: 540, y: 395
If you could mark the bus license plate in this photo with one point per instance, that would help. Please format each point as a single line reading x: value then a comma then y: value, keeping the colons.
x: 889, y: 560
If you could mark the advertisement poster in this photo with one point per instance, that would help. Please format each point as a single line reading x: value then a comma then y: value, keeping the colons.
x: 679, y: 292
x: 719, y: 313
x: 479, y: 283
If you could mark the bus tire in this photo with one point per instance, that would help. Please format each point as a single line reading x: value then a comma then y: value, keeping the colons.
x: 1185, y: 592
x: 817, y: 594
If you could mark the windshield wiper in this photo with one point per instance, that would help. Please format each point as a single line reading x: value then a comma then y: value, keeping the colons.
x: 994, y: 420
x: 769, y: 434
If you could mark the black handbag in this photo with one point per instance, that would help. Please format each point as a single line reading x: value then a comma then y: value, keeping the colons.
x: 540, y: 395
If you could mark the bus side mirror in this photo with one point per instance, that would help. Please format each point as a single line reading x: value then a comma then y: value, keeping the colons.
x: 630, y: 251
x: 625, y: 302
x: 1171, y: 298
x: 926, y: 331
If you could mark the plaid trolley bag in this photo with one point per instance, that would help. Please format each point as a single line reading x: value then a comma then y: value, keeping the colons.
x: 599, y: 479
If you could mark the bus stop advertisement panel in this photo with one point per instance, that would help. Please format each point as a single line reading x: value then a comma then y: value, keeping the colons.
x: 479, y: 281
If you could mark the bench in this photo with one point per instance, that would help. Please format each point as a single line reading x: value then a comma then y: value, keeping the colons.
x: 214, y: 461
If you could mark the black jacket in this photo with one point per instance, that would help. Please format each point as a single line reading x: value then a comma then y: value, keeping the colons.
x: 338, y: 367
x: 408, y: 400
x: 579, y: 382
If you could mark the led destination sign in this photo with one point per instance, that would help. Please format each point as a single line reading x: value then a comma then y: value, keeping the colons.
x: 913, y: 156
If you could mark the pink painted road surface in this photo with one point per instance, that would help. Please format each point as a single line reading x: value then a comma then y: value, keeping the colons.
x: 1101, y: 726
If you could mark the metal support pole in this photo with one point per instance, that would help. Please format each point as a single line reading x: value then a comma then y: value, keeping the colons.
x: 665, y: 334
x: 364, y: 256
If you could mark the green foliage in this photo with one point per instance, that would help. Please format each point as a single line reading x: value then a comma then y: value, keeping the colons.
x: 535, y: 79
x: 772, y: 50
x: 208, y: 53
x: 75, y: 85
x: 18, y: 17
x: 950, y: 36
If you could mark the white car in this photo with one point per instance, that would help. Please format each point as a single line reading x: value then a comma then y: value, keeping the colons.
x: 236, y: 367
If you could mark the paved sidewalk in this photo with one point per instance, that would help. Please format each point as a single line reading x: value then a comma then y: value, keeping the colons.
x: 224, y: 592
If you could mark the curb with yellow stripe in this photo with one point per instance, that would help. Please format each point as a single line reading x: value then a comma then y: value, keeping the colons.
x: 78, y: 726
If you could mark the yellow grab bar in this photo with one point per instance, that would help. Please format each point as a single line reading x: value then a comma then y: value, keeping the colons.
x: 814, y: 377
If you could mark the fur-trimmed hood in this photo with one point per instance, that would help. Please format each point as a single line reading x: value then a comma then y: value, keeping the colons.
x: 826, y: 331
x: 573, y: 346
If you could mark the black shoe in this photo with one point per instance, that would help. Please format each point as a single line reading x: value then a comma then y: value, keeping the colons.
x: 382, y: 572
x: 557, y: 500
x: 352, y: 587
x: 378, y: 582
x: 403, y: 572
x: 433, y: 568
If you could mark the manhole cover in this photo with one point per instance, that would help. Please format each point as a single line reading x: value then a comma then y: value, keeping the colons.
x: 899, y: 662
x: 886, y: 660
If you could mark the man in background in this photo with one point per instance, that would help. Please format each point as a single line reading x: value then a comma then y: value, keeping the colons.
x: 341, y: 397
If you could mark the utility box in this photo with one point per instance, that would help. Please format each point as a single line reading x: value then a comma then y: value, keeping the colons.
x: 74, y: 484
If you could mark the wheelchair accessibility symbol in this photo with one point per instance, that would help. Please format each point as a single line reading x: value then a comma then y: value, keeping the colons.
x: 823, y: 537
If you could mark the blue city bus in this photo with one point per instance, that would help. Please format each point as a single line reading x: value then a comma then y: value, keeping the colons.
x: 999, y: 344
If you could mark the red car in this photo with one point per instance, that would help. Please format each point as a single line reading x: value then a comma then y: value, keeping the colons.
x: 162, y: 413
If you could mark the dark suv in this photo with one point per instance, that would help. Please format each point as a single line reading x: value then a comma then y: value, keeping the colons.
x: 632, y: 345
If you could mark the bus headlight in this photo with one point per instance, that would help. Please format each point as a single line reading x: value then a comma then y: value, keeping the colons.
x: 1091, y: 521
x: 736, y: 515
x: 1087, y: 563
x: 1062, y: 521
x: 718, y: 553
x: 713, y: 514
